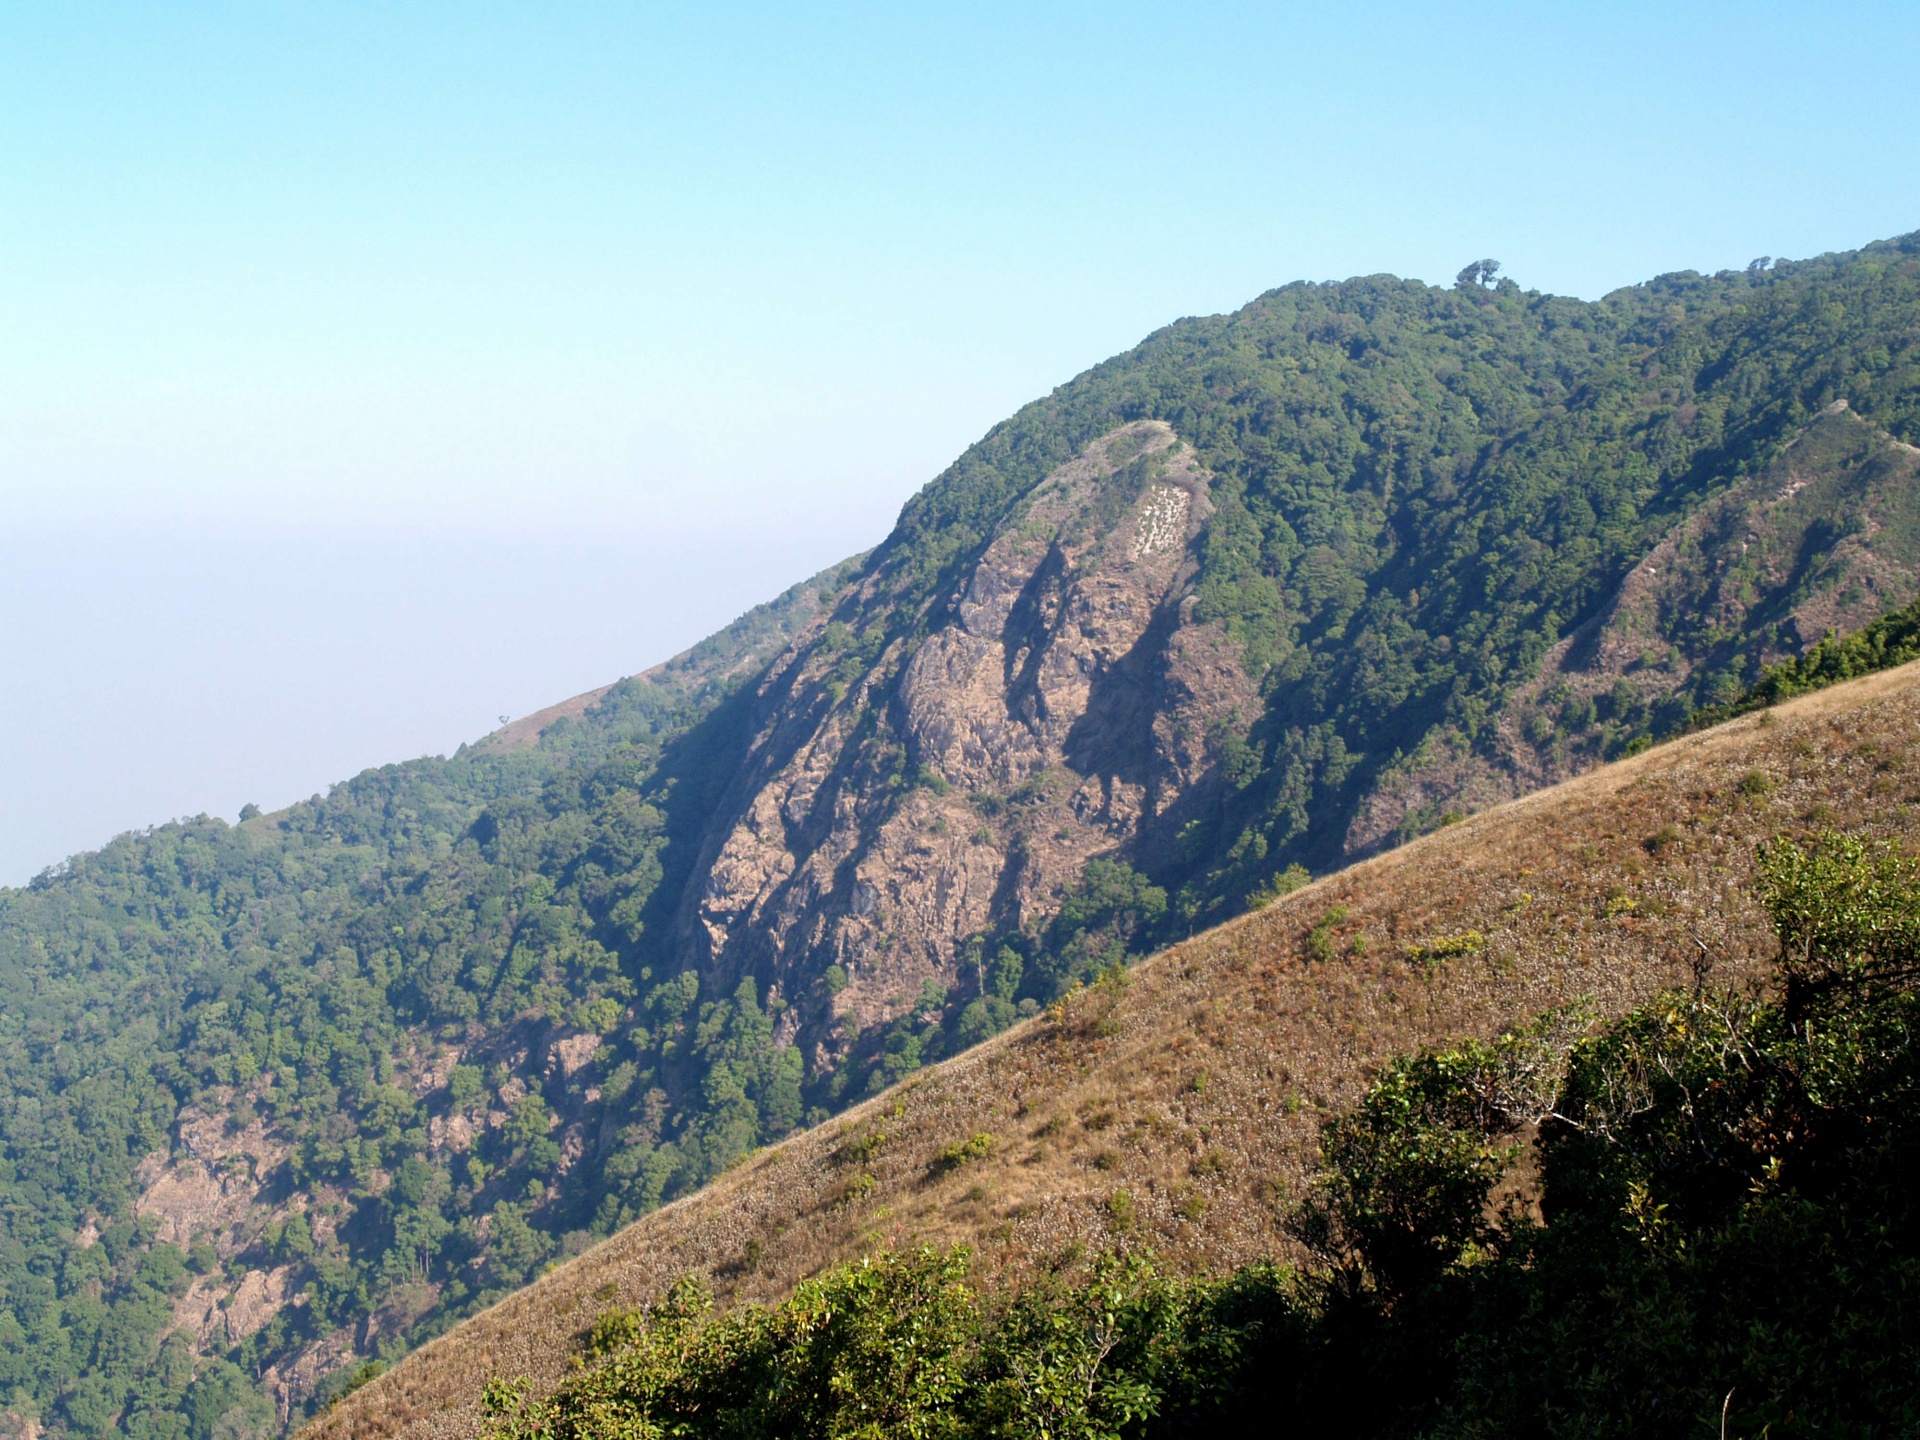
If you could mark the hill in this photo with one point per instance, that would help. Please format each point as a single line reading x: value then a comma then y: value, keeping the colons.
x: 1196, y: 1090
x: 1262, y: 596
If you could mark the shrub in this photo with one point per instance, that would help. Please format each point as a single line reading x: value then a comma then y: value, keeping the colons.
x: 1284, y: 883
x: 1447, y: 947
x: 1320, y: 938
x: 963, y: 1153
x: 1845, y: 912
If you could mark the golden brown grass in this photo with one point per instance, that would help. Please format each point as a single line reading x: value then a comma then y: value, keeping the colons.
x: 1182, y: 1109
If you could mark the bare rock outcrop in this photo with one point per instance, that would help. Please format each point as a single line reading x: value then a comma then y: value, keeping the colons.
x: 211, y: 1184
x: 906, y: 797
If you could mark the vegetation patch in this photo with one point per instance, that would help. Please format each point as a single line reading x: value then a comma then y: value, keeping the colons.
x: 1894, y: 639
x: 963, y: 1153
x: 1320, y: 946
x: 1446, y: 947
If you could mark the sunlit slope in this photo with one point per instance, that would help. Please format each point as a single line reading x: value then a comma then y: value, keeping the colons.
x: 1182, y: 1110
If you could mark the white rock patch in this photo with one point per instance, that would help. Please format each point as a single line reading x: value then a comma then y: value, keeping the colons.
x: 1162, y: 522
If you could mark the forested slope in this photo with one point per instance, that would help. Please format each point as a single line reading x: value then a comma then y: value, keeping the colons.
x: 1266, y: 592
x: 215, y: 1037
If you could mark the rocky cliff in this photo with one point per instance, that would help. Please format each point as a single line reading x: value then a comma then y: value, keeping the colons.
x: 905, y: 796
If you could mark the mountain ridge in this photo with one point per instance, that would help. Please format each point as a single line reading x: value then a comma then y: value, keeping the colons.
x: 736, y: 647
x: 1137, y: 662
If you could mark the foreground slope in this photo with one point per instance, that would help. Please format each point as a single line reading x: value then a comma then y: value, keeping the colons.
x: 1195, y: 1091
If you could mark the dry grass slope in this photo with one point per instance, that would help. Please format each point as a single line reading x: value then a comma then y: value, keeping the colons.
x: 1182, y: 1110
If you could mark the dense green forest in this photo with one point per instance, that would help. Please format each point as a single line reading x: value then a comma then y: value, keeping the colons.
x: 1725, y: 1243
x: 1418, y: 491
x: 277, y: 970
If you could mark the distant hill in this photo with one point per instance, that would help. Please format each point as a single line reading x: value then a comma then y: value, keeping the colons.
x: 1197, y: 1090
x: 1264, y: 595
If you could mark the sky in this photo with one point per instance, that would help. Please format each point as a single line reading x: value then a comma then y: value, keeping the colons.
x: 369, y: 372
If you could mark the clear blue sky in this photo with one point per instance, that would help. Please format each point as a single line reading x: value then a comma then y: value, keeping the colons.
x: 614, y: 319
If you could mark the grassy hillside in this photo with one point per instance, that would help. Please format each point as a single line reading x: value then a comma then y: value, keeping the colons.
x: 1182, y: 1109
x: 1269, y: 590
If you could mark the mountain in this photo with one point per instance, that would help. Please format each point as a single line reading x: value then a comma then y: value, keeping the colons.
x: 1180, y: 1112
x: 1264, y: 595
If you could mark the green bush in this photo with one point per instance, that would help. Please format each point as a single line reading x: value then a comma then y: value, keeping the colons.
x: 901, y: 1344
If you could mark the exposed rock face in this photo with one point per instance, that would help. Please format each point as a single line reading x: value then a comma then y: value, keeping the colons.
x: 902, y: 796
x: 299, y: 1374
x: 256, y: 1300
x: 570, y: 1054
x: 1826, y: 538
x: 1063, y: 707
x: 221, y: 1185
x: 211, y: 1187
